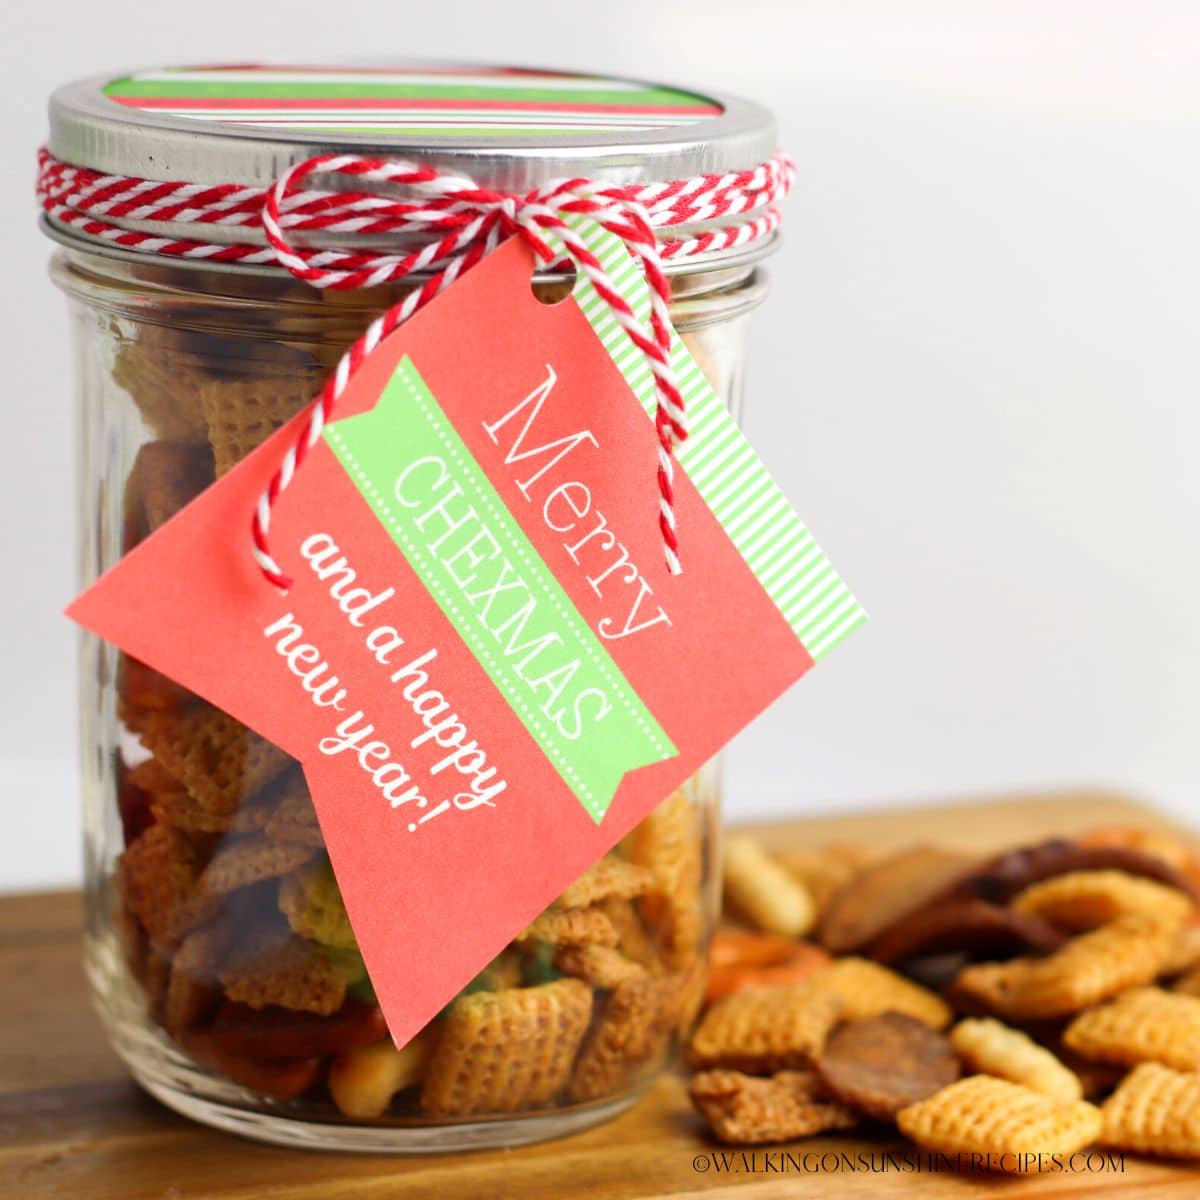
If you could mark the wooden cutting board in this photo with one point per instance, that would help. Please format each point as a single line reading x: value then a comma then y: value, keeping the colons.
x: 73, y: 1125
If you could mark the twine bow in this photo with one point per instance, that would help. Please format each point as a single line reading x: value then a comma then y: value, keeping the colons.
x: 462, y: 223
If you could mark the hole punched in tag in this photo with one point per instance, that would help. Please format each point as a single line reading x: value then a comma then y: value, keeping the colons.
x: 553, y: 291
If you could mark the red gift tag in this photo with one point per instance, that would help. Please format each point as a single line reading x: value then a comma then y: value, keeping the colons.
x: 483, y: 664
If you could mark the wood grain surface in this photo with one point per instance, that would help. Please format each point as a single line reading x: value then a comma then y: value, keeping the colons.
x: 73, y: 1125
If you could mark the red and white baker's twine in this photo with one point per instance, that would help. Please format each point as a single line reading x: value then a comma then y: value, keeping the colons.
x: 456, y: 223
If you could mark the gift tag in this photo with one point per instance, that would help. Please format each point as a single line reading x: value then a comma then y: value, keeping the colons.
x: 484, y: 665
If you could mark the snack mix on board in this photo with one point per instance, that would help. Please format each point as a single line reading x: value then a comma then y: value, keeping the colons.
x: 1032, y: 1005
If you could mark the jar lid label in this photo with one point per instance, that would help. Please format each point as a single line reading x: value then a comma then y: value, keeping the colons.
x: 468, y: 102
x: 483, y: 664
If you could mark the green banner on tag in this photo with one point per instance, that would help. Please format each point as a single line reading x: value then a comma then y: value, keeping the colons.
x: 406, y: 459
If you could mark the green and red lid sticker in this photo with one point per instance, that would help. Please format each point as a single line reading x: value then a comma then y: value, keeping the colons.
x: 516, y: 678
x: 425, y: 100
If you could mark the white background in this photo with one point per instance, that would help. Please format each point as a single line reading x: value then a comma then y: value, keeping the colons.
x: 978, y: 376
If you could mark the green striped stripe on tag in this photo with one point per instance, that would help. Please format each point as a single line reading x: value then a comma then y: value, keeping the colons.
x: 724, y: 467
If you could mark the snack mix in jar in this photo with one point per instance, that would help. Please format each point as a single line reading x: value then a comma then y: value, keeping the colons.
x: 218, y: 948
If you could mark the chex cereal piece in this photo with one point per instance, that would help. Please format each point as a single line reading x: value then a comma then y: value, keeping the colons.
x: 181, y: 810
x: 610, y: 879
x: 744, y: 1111
x: 1189, y: 984
x: 241, y: 414
x: 632, y: 938
x: 504, y: 1051
x: 215, y: 757
x: 155, y: 369
x: 280, y: 1079
x: 1083, y: 900
x: 1090, y: 968
x: 151, y: 776
x: 767, y: 1029
x: 162, y: 793
x: 1010, y: 1127
x: 250, y: 816
x: 1155, y: 1111
x: 285, y: 970
x: 191, y: 989
x: 136, y: 720
x: 868, y: 989
x: 171, y: 475
x: 670, y: 842
x: 310, y: 899
x: 572, y: 926
x: 601, y: 966
x: 240, y: 862
x: 1144, y: 1025
x: 633, y: 1032
x: 293, y: 818
x: 882, y: 1064
x: 990, y: 1048
x: 172, y: 804
x: 158, y: 884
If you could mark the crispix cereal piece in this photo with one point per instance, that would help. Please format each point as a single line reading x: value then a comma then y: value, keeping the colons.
x: 745, y: 1111
x: 1155, y: 1111
x: 504, y: 1051
x: 768, y: 1029
x: 1144, y: 1025
x: 1088, y: 969
x: 868, y: 990
x: 1012, y: 1128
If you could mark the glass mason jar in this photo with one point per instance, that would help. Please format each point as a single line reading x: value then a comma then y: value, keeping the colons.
x: 219, y: 953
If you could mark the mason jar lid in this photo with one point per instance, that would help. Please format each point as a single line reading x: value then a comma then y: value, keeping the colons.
x: 509, y: 128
